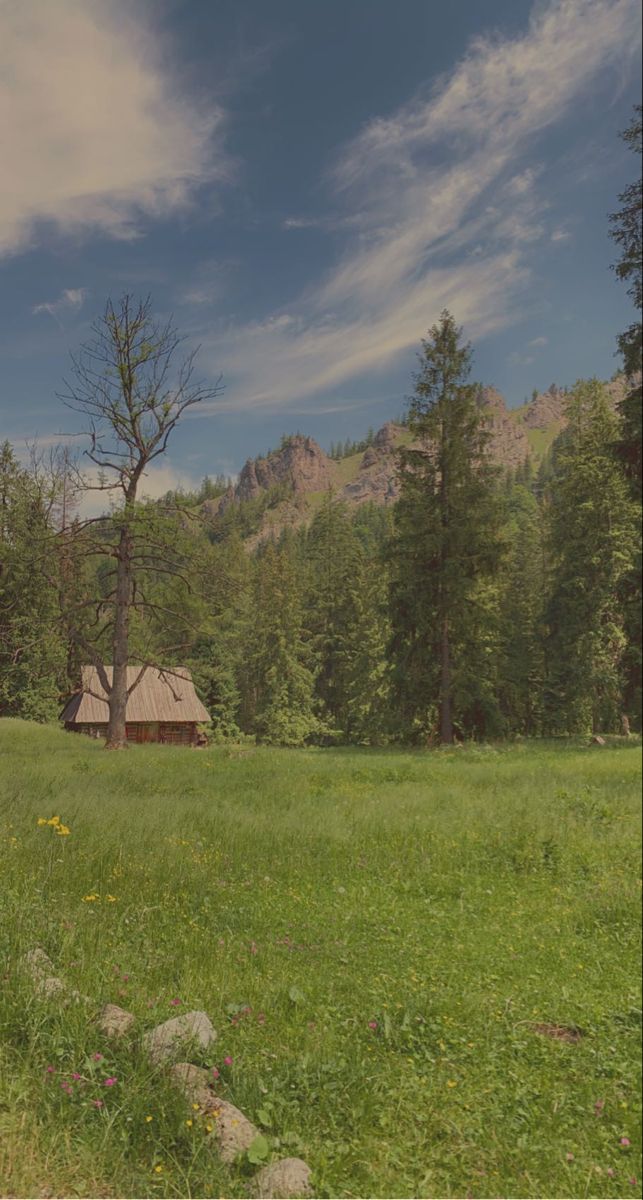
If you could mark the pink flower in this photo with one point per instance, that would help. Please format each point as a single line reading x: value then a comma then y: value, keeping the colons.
x: 75, y: 1075
x: 175, y: 1002
x: 98, y: 1103
x: 110, y: 1081
x: 632, y: 1181
x: 215, y: 1073
x: 625, y: 1141
x: 97, y: 1056
x: 50, y: 1070
x: 125, y: 978
x: 372, y: 1024
x: 66, y: 1087
x: 569, y: 1156
x: 228, y: 1061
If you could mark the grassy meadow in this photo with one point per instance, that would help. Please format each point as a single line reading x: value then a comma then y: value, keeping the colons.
x: 375, y: 936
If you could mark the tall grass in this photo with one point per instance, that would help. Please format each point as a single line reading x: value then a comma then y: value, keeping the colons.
x: 374, y: 935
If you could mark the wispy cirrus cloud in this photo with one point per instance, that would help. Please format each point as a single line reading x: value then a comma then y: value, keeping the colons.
x: 448, y: 210
x: 69, y: 300
x: 95, y: 129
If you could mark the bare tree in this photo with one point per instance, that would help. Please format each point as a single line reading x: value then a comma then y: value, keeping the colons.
x: 133, y: 385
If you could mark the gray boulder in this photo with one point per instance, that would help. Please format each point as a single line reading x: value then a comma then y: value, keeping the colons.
x: 115, y: 1022
x: 287, y: 1179
x: 166, y: 1041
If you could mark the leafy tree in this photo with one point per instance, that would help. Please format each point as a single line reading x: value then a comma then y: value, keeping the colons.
x: 128, y: 385
x: 446, y: 545
x: 32, y: 649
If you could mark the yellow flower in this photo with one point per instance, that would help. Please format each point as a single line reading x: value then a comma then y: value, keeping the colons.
x: 63, y: 830
x: 189, y: 1123
x: 43, y: 821
x: 90, y: 897
x: 148, y: 1119
x: 452, y: 1083
x: 158, y: 1168
x: 54, y: 821
x: 111, y: 899
x: 208, y: 1129
x: 196, y: 1107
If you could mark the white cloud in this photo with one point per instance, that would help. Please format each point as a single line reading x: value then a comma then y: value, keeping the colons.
x: 71, y: 300
x: 94, y: 128
x: 537, y: 342
x: 560, y: 235
x: 448, y: 211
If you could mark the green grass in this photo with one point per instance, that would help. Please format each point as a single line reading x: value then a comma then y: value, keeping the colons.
x: 455, y: 898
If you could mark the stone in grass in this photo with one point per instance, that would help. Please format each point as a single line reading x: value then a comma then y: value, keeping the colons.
x: 287, y: 1178
x: 597, y: 740
x: 115, y: 1022
x: 41, y: 971
x: 165, y: 1041
x: 194, y: 1082
x: 233, y: 1131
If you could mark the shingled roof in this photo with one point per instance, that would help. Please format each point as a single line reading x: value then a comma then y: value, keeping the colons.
x: 159, y: 696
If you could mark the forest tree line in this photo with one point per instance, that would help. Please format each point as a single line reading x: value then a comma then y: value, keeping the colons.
x: 486, y: 603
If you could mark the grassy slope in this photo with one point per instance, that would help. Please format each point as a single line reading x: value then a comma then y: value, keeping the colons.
x: 452, y: 897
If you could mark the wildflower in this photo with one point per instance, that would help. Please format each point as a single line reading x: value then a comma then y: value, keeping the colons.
x: 90, y: 897
x: 97, y: 1056
x: 63, y: 830
x: 215, y: 1073
x: 372, y: 1024
x: 175, y: 1002
x: 632, y: 1181
x: 98, y: 1103
x: 228, y: 1061
x: 111, y: 899
x: 195, y: 1107
x: 625, y: 1141
x: 189, y: 1123
x: 569, y: 1156
x: 110, y: 1081
x: 158, y: 1168
x: 452, y: 1083
x: 53, y: 821
x: 208, y: 1129
x: 148, y: 1119
x: 42, y: 821
x: 50, y: 1070
x: 599, y: 1105
x: 75, y: 1075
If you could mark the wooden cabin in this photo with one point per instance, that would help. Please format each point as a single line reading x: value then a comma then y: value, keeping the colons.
x: 163, y: 707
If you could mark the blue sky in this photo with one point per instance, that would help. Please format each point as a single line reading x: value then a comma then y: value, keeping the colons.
x: 305, y: 184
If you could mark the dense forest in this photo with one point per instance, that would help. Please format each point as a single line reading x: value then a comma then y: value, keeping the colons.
x: 487, y: 602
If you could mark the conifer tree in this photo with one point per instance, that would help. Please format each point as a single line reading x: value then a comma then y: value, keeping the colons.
x: 447, y: 542
x: 279, y: 681
x: 593, y: 525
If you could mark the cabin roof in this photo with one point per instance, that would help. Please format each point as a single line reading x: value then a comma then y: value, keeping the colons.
x: 160, y: 696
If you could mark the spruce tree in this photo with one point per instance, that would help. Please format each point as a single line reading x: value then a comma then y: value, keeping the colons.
x: 592, y: 544
x: 446, y: 546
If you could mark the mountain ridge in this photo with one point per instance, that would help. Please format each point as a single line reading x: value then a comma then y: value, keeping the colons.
x: 300, y: 472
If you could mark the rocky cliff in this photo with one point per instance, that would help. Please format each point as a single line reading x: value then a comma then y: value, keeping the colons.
x: 302, y: 472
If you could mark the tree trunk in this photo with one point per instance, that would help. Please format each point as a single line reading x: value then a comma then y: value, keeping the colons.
x: 116, y: 731
x: 446, y: 722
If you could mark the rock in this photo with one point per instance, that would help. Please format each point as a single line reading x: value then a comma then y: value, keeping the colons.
x: 41, y: 970
x: 625, y: 726
x: 115, y: 1022
x: 289, y: 1177
x: 234, y: 1132
x: 597, y: 740
x: 194, y: 1082
x: 166, y: 1041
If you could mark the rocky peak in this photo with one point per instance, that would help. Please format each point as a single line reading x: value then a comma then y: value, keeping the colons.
x: 300, y: 463
x: 545, y: 408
